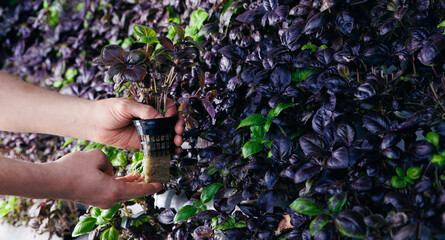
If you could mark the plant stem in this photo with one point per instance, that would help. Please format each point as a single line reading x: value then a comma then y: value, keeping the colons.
x: 436, y: 96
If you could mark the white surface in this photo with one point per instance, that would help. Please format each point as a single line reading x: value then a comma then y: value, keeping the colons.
x: 9, y: 232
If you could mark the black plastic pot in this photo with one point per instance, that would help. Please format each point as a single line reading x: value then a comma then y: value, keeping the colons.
x: 156, y: 138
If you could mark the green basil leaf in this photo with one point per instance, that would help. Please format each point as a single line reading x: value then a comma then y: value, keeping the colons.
x: 198, y: 18
x: 95, y: 212
x: 312, y: 47
x: 209, y: 192
x: 241, y: 224
x: 93, y: 145
x: 5, y: 208
x: 439, y: 159
x: 301, y: 74
x: 305, y: 207
x: 257, y: 133
x: 111, y: 152
x: 109, y: 213
x: 254, y: 119
x: 408, y: 180
x: 268, y: 121
x: 120, y: 160
x: 400, y: 172
x: 70, y: 74
x: 148, y: 40
x: 413, y: 172
x: 184, y: 213
x: 318, y: 223
x: 143, y: 31
x: 137, y: 156
x: 214, y: 222
x: 280, y: 107
x: 84, y: 226
x: 251, y: 147
x: 433, y: 138
x: 398, y: 182
x: 441, y: 24
x: 109, y: 234
x: 101, y: 221
x: 336, y: 202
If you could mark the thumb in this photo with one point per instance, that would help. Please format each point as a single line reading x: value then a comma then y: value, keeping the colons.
x: 141, y: 111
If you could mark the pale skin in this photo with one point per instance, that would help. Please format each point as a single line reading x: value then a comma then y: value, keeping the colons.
x: 85, y: 177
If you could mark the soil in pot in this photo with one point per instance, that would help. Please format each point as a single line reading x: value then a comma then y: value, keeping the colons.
x: 156, y: 138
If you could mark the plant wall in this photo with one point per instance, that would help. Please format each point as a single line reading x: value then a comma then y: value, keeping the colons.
x: 322, y: 119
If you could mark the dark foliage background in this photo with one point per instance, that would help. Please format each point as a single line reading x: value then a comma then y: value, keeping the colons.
x: 365, y: 80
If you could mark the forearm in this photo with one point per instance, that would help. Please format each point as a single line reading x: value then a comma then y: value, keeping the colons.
x: 27, y: 179
x: 28, y: 108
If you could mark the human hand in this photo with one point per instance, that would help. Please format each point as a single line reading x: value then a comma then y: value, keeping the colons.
x: 113, y: 126
x: 87, y: 177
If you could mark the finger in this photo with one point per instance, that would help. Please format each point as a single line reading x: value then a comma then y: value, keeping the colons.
x: 130, y: 177
x: 178, y: 150
x: 178, y: 140
x: 134, y: 109
x: 179, y: 127
x: 170, y: 110
x: 135, y: 190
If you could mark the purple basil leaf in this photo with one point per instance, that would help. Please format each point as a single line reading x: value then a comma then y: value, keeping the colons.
x: 268, y: 200
x: 290, y: 37
x: 422, y: 186
x: 207, y: 214
x: 278, y: 15
x: 113, y: 70
x: 306, y: 171
x: 430, y: 53
x: 376, y: 55
x: 421, y: 149
x: 392, y: 153
x: 375, y: 221
x: 339, y: 159
x: 346, y: 133
x: 270, y: 5
x: 376, y: 123
x: 321, y: 119
x: 202, y: 232
x: 281, y: 148
x: 364, y: 183
x: 249, y: 209
x: 270, y: 178
x: 133, y: 74
x: 395, y: 200
x: 387, y: 26
x: 315, y: 22
x: 390, y: 140
x: 405, y: 232
x: 345, y: 21
x: 336, y: 84
x: 281, y: 78
x: 365, y: 91
x: 209, y: 107
x: 165, y: 42
x: 312, y: 145
x: 136, y: 57
x: 351, y: 224
x: 232, y: 52
x: 248, y: 75
x: 166, y: 216
x: 289, y: 172
x: 248, y: 16
x: 112, y: 54
x: 325, y: 56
